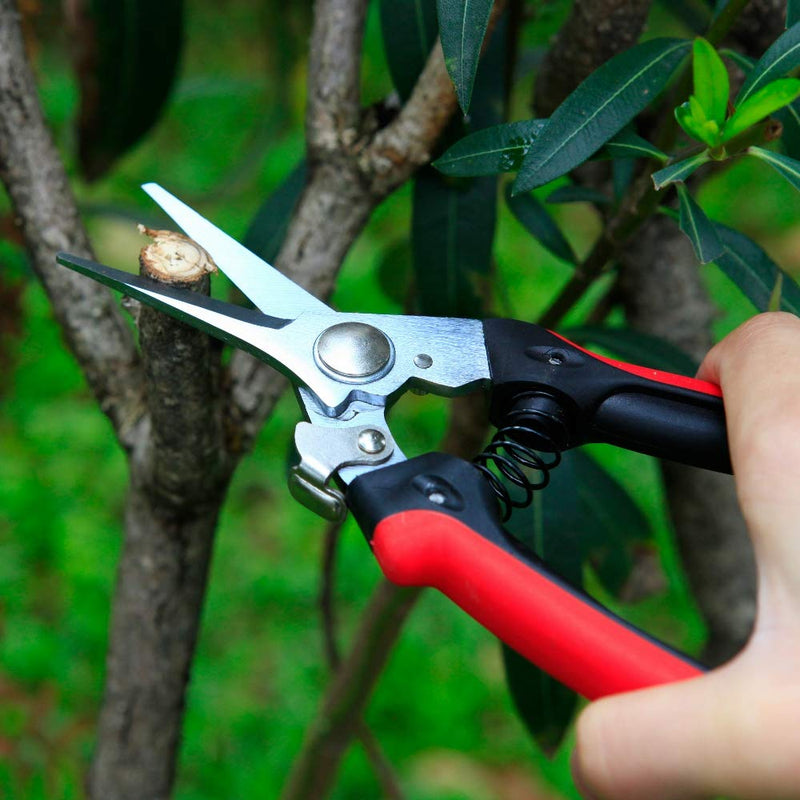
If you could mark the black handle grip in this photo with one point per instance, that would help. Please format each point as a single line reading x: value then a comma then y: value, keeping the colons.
x: 568, y: 396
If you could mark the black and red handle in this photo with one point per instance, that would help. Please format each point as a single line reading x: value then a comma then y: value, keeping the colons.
x: 541, y: 380
x: 432, y: 521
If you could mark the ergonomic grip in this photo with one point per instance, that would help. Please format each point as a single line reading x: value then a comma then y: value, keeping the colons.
x: 552, y: 386
x: 432, y: 521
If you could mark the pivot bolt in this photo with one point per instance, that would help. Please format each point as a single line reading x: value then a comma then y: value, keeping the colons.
x: 371, y: 441
x: 353, y: 351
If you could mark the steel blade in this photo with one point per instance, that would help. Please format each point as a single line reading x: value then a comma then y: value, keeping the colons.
x: 269, y: 290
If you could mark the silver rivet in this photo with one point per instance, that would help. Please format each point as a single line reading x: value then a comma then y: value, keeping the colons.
x: 371, y: 441
x: 437, y: 497
x: 423, y: 361
x: 353, y: 350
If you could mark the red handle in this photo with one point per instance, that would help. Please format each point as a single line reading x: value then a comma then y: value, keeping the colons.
x: 560, y: 630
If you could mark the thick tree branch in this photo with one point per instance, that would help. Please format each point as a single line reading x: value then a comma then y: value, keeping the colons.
x: 595, y: 31
x: 34, y: 177
x: 663, y: 295
x: 179, y: 473
x: 333, y: 110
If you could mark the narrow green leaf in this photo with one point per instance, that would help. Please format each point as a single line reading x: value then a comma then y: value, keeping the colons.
x: 698, y: 227
x: 792, y: 12
x: 680, y: 170
x: 754, y: 272
x: 711, y: 83
x: 545, y: 706
x: 409, y: 29
x: 774, y: 303
x: 268, y: 228
x: 577, y: 194
x: 533, y: 216
x: 761, y: 104
x: 789, y: 117
x: 462, y: 26
x: 599, y: 108
x: 452, y: 230
x: 126, y: 68
x: 628, y: 144
x: 635, y: 347
x: 781, y: 58
x: 783, y: 165
x: 500, y: 148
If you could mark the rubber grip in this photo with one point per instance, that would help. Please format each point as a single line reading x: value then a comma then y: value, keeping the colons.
x: 579, y: 644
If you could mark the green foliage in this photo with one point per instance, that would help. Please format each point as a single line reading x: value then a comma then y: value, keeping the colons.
x: 229, y: 136
x: 680, y: 170
x: 409, y: 28
x: 463, y: 27
x: 127, y: 59
x: 533, y: 216
x: 698, y: 227
x: 599, y: 108
x: 711, y: 84
x: 754, y: 272
x: 779, y: 59
x: 783, y: 165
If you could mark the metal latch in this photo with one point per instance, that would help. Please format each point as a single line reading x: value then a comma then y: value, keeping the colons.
x: 324, y: 449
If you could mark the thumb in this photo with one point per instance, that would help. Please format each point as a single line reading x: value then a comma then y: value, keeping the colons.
x: 664, y: 743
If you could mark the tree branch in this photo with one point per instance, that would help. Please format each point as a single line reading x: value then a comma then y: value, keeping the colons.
x: 34, y: 177
x: 179, y: 473
x: 664, y: 295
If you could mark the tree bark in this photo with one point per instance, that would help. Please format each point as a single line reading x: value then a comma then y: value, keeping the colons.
x: 663, y: 295
x: 45, y: 209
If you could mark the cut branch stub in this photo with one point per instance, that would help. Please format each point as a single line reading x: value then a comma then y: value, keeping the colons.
x: 174, y: 258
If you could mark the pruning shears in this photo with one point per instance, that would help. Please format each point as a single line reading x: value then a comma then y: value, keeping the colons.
x: 436, y: 520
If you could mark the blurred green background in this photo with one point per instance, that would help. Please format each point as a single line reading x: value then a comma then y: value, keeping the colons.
x: 231, y: 134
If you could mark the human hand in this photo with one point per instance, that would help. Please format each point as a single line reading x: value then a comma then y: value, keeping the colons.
x: 736, y: 730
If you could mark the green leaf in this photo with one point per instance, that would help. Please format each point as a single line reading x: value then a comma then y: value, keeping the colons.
x: 533, y: 216
x: 761, y: 104
x: 545, y: 706
x: 754, y: 272
x: 698, y: 227
x: 462, y: 26
x: 680, y: 170
x: 409, y: 29
x: 781, y: 57
x: 628, y: 144
x: 692, y: 119
x: 792, y: 12
x: 452, y: 230
x: 783, y: 165
x: 635, y: 347
x: 789, y: 117
x: 711, y: 83
x: 500, y: 148
x: 268, y: 228
x: 126, y: 67
x: 577, y: 194
x: 599, y: 108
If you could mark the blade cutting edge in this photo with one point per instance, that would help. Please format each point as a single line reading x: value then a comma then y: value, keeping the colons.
x: 267, y: 288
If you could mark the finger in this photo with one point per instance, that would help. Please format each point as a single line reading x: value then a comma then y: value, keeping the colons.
x: 758, y: 368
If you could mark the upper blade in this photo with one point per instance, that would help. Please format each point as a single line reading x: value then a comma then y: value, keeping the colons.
x: 269, y: 290
x: 242, y: 327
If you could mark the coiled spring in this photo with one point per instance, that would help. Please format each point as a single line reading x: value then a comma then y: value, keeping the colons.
x: 513, y: 460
